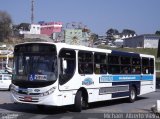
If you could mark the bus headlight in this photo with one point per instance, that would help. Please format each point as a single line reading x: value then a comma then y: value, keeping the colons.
x: 50, y: 91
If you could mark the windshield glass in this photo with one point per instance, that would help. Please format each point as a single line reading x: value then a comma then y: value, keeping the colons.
x: 35, y: 66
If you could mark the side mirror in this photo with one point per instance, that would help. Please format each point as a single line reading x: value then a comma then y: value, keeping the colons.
x: 9, y: 70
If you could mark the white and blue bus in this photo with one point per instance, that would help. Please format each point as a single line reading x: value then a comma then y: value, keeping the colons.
x: 58, y: 74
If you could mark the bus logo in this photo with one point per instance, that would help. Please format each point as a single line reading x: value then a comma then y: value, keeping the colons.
x: 87, y: 82
x: 36, y: 90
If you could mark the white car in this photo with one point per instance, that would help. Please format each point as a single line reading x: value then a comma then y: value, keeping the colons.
x: 5, y: 81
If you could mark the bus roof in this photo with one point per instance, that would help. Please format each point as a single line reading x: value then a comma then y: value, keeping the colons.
x: 79, y: 47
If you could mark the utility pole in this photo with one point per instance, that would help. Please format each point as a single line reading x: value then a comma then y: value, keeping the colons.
x: 158, y: 49
x: 32, y: 11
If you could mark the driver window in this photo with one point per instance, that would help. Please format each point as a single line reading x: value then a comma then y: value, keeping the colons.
x: 67, y: 59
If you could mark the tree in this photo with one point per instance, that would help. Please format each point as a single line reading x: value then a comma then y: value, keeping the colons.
x: 128, y: 32
x: 5, y: 25
x: 111, y: 33
x: 24, y: 26
x: 93, y: 38
x: 157, y: 32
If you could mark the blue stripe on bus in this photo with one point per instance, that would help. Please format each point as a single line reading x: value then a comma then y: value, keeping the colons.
x: 121, y: 94
x: 147, y: 77
x: 115, y: 78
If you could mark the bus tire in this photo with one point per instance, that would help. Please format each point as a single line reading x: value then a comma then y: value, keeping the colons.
x: 9, y: 88
x: 78, y: 101
x: 132, y: 94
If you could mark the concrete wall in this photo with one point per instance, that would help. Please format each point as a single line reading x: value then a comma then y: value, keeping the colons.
x: 151, y: 43
x: 37, y: 36
x: 145, y: 41
x: 134, y: 42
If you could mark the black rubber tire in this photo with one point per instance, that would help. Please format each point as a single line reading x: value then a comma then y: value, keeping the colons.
x: 132, y: 94
x: 9, y: 88
x: 78, y: 102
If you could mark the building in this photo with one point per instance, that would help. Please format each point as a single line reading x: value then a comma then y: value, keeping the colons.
x: 118, y: 42
x: 38, y: 30
x: 77, y: 37
x: 73, y: 36
x: 124, y: 36
x: 48, y: 28
x: 58, y: 36
x: 32, y: 29
x: 143, y: 41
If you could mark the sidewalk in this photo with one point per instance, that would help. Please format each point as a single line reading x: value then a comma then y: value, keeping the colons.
x: 156, y: 108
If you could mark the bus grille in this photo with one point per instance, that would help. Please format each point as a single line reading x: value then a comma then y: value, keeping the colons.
x: 32, y: 99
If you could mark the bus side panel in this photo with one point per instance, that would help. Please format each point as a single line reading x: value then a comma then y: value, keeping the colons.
x: 67, y: 97
x: 95, y: 94
x: 136, y: 84
x: 147, y: 87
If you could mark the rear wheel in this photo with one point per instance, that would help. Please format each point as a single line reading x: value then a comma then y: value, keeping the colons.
x: 132, y: 94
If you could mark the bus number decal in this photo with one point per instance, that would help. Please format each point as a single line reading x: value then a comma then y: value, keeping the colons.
x: 106, y: 78
x: 37, y: 77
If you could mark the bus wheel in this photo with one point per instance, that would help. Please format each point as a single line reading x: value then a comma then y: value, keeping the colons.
x: 78, y: 101
x: 9, y: 88
x: 132, y: 94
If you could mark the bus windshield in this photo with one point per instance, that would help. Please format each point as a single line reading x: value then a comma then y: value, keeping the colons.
x: 35, y: 65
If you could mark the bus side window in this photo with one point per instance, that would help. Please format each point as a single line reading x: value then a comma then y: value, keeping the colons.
x: 85, y: 62
x: 125, y: 65
x: 145, y: 65
x: 67, y: 58
x: 151, y: 66
x: 113, y: 64
x: 100, y: 63
x: 136, y: 65
x: 125, y: 70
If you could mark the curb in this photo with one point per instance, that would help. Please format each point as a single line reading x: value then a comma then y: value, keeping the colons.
x: 154, y: 110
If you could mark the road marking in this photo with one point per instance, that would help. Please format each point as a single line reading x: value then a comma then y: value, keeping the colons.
x: 66, y: 117
x: 38, y: 117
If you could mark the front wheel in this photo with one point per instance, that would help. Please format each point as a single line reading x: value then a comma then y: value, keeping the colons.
x: 78, y: 101
x: 132, y: 94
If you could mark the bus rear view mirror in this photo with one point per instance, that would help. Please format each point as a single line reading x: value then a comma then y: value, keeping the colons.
x: 9, y: 70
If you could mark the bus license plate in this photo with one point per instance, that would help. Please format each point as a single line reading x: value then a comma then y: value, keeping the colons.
x: 41, y: 77
x: 28, y: 98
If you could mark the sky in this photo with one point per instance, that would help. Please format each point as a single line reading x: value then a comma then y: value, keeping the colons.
x: 142, y: 16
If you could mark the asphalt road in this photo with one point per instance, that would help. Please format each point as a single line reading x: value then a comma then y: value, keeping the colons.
x: 107, y: 109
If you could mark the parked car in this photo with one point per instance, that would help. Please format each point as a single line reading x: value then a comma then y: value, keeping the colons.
x: 5, y: 81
